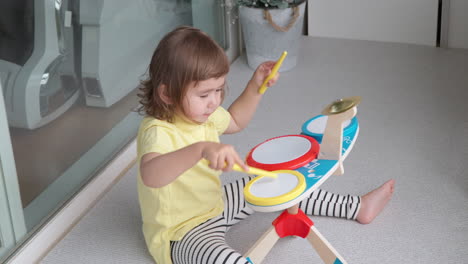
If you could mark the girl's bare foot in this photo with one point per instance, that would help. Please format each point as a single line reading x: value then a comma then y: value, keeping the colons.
x: 373, y: 202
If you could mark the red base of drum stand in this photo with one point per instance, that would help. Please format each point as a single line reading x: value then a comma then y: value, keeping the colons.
x: 288, y: 224
x: 293, y: 222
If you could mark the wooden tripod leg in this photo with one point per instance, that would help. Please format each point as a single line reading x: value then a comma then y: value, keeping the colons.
x: 261, y: 248
x: 326, y: 251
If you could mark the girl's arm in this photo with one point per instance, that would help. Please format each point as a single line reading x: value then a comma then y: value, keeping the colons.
x: 158, y: 170
x: 244, y: 107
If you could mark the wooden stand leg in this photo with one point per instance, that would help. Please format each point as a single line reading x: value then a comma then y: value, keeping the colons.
x: 332, y: 142
x: 261, y: 248
x: 293, y: 222
x: 326, y: 252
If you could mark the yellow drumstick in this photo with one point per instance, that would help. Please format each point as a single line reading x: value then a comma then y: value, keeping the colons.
x: 255, y: 171
x: 275, y: 69
x: 252, y: 170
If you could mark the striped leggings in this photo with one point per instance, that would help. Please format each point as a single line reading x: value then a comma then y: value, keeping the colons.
x: 205, y: 244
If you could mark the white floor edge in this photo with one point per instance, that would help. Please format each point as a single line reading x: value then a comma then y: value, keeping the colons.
x: 60, y: 224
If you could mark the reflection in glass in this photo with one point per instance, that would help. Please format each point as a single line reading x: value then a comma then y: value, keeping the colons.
x: 31, y: 100
x: 118, y: 40
x: 70, y: 71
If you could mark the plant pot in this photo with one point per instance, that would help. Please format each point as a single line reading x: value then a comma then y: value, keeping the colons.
x: 264, y: 42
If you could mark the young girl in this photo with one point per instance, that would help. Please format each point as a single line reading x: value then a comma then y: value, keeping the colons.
x: 185, y: 210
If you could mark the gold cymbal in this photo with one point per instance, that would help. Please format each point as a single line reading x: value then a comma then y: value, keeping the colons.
x: 341, y: 105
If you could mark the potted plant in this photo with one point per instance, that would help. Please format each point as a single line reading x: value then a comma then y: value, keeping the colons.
x: 270, y: 27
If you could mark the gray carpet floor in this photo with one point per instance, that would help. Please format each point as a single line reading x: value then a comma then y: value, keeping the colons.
x: 413, y: 128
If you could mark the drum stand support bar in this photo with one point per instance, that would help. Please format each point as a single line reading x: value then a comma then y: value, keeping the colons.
x: 332, y: 142
x: 293, y: 222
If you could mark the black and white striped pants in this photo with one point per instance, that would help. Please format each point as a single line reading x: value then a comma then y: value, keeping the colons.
x: 205, y: 244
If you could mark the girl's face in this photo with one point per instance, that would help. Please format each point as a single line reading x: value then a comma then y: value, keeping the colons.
x: 203, y: 99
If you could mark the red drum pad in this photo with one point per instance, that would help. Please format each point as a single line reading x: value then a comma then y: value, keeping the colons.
x: 284, y: 153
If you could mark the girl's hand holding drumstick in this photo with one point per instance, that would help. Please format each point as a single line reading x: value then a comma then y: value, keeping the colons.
x: 275, y: 69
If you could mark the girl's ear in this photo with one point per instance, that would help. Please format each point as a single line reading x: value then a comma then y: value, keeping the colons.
x: 162, y: 92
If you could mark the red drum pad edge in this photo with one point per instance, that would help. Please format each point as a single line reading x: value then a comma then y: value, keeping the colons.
x: 292, y: 164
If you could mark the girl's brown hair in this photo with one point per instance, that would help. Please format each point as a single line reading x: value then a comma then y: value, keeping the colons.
x: 183, y: 56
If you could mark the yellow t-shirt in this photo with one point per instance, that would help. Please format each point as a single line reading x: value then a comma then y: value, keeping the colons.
x: 195, y: 196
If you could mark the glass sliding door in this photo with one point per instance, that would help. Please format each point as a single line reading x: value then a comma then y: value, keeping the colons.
x: 12, y: 226
x: 70, y: 71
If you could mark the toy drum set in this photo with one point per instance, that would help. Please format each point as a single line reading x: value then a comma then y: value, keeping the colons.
x: 302, y: 162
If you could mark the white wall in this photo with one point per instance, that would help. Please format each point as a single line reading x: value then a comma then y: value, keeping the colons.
x: 407, y: 21
x: 458, y: 24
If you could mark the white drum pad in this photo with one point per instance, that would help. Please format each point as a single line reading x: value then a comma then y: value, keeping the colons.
x: 282, y: 149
